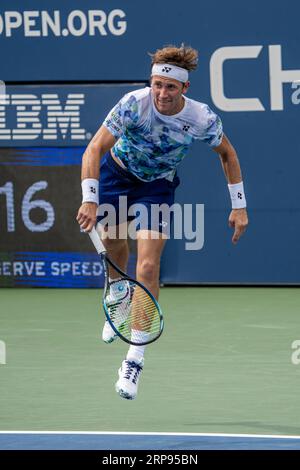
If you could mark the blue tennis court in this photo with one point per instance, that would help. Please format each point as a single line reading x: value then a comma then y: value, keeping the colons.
x: 143, y: 441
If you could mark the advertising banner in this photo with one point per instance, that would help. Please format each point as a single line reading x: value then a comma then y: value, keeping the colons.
x: 54, y: 58
x: 40, y: 192
x: 55, y: 115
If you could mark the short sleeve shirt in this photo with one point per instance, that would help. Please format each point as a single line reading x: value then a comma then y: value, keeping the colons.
x: 149, y: 144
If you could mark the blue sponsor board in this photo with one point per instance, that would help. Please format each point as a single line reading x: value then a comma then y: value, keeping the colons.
x: 248, y: 72
x: 51, y: 269
x: 40, y: 240
x: 43, y: 134
x: 109, y: 40
x: 57, y: 115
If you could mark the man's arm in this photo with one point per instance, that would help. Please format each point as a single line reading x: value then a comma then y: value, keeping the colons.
x: 238, y: 218
x: 102, y: 141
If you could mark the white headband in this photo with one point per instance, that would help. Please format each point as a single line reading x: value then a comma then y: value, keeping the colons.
x: 172, y: 71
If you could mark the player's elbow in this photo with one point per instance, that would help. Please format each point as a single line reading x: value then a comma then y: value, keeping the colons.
x: 93, y: 150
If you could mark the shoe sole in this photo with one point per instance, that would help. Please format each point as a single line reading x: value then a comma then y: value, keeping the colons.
x: 124, y: 394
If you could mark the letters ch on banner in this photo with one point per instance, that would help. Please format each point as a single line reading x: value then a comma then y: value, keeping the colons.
x: 277, y: 77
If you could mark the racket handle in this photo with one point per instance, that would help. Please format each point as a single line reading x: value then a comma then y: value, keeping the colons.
x: 96, y: 241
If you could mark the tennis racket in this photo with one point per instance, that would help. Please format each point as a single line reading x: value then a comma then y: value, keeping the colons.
x: 130, y: 308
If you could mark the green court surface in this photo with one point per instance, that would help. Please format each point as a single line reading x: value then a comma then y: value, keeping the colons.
x: 222, y: 365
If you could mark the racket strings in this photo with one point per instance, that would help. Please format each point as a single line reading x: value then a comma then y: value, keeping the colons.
x: 136, y: 316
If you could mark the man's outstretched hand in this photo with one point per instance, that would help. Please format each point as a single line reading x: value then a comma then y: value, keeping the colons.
x: 238, y: 220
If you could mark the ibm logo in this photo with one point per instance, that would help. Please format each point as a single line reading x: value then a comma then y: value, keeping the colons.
x: 29, y: 125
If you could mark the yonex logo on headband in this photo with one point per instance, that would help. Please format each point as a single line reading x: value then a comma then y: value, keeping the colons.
x: 171, y: 71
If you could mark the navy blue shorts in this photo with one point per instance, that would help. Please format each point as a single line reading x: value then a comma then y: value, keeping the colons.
x: 132, y: 198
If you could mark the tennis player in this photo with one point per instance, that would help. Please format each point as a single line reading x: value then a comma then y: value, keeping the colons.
x: 136, y: 151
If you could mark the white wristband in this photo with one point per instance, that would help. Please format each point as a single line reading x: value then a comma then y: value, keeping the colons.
x: 237, y: 195
x: 90, y: 190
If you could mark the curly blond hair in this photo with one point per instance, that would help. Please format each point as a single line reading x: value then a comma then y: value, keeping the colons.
x: 183, y: 56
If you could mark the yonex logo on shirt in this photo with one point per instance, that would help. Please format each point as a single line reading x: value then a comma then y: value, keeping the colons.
x: 186, y: 128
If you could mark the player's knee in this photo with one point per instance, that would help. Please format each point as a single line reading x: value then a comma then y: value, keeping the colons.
x: 148, y: 269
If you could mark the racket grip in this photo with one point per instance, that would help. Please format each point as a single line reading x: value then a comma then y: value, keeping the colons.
x: 96, y: 241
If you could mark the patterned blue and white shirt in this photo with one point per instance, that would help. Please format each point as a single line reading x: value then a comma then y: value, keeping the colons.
x: 150, y: 145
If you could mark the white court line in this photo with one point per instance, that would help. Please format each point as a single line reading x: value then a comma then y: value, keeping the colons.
x: 114, y: 433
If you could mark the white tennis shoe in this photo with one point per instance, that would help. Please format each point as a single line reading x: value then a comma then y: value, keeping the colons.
x: 118, y: 298
x: 129, y: 375
x: 108, y: 334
